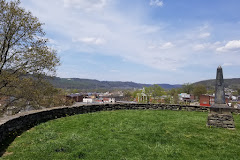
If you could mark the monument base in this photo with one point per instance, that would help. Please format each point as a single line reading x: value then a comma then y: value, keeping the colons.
x: 220, y: 116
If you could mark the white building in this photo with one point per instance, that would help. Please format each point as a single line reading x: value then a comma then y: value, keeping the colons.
x: 87, y: 100
x: 234, y: 98
x: 184, y: 96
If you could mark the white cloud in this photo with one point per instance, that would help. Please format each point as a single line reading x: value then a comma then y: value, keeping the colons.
x: 114, y: 71
x: 206, y: 46
x: 52, y: 41
x: 161, y: 46
x: 204, y: 27
x: 166, y: 45
x: 204, y: 35
x: 158, y: 3
x: 198, y: 47
x: 200, y: 32
x: 217, y: 43
x: 151, y: 47
x: 148, y: 29
x: 90, y: 40
x: 227, y: 64
x: 87, y: 5
x: 231, y: 46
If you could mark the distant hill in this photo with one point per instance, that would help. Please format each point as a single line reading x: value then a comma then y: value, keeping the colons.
x: 170, y: 86
x: 230, y: 83
x: 77, y: 83
x: 90, y: 84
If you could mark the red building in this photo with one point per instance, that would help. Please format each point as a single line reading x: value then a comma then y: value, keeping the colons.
x: 75, y: 97
x: 208, y: 100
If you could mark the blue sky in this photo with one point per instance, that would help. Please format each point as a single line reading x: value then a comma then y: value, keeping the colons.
x: 146, y: 41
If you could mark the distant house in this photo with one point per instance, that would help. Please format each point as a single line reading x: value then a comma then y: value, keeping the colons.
x: 76, y: 97
x: 109, y: 100
x: 184, y: 97
x: 234, y: 98
x: 105, y: 100
x: 87, y: 100
x: 208, y: 100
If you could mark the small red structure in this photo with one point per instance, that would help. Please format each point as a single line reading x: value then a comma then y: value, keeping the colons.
x: 208, y: 100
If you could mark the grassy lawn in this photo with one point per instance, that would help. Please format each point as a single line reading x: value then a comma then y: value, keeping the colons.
x: 126, y: 135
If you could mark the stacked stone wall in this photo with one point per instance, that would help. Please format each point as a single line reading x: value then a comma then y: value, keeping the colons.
x: 10, y: 127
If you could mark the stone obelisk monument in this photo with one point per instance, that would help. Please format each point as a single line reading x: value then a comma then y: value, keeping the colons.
x: 220, y: 114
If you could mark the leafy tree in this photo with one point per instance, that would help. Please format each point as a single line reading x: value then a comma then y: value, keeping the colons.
x: 238, y: 91
x: 154, y: 91
x: 74, y: 91
x: 179, y: 90
x: 167, y: 100
x: 172, y: 91
x: 25, y: 57
x: 157, y: 91
x: 135, y: 93
x: 199, y: 90
x: 175, y: 98
x: 187, y: 88
x: 235, y: 93
x: 127, y: 95
x: 175, y: 90
x: 210, y: 91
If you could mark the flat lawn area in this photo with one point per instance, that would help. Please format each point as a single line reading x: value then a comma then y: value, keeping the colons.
x: 134, y: 135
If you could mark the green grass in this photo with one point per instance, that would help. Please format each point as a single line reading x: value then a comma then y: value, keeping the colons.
x: 128, y: 135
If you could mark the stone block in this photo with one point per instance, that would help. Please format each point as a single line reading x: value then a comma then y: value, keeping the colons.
x: 228, y: 122
x: 220, y: 120
x: 231, y: 126
x: 212, y: 121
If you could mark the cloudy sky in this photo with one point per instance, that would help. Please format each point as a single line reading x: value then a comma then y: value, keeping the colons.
x: 146, y: 41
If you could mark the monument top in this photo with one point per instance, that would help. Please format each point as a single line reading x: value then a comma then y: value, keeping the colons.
x: 219, y: 88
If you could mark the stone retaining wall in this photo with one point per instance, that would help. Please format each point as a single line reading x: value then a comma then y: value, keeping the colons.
x: 13, y: 126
